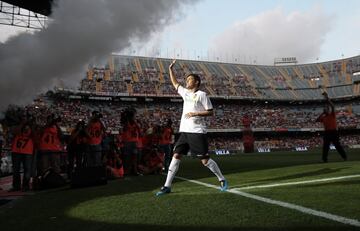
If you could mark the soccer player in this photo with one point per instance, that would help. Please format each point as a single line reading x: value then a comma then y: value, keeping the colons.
x: 331, y: 134
x: 193, y: 137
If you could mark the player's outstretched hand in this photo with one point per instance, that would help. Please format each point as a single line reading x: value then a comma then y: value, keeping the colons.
x: 172, y: 63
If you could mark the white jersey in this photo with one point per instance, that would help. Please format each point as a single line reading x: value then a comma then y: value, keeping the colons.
x: 193, y: 102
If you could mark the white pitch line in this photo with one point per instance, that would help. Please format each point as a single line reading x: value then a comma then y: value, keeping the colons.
x: 298, y: 182
x: 299, y: 208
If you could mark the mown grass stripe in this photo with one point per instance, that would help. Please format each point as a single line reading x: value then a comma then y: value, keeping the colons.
x: 299, y: 208
x: 298, y: 182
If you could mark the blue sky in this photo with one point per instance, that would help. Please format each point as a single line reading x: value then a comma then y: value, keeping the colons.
x: 332, y: 29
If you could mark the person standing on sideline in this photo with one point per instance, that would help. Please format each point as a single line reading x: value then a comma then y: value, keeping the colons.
x: 331, y: 134
x: 96, y: 131
x: 50, y: 145
x: 197, y: 105
x: 131, y: 135
x: 76, y: 147
x: 22, y: 154
x: 165, y: 143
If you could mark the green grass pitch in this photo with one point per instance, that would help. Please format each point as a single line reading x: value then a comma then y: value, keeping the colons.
x: 131, y: 204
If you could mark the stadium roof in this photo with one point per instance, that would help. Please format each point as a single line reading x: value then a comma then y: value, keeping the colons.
x: 39, y: 6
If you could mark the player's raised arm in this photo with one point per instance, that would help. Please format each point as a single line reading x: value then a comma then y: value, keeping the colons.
x: 173, y: 79
x: 328, y: 100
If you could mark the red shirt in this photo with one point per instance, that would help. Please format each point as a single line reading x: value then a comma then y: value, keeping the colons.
x: 329, y: 121
x: 140, y: 143
x: 119, y: 140
x: 131, y: 133
x: 155, y: 159
x: 23, y: 144
x: 95, y: 131
x: 50, y: 139
x: 166, y: 136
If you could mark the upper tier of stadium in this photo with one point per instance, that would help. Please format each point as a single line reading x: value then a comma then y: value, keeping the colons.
x: 136, y: 76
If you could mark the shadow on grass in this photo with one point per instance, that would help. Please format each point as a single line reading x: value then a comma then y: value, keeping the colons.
x: 47, y: 210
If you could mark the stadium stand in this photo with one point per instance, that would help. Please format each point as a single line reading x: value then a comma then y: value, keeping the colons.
x: 140, y: 75
x: 282, y: 102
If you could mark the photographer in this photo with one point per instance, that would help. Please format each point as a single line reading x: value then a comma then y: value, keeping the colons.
x: 50, y: 146
x: 77, y: 146
x: 96, y: 131
x: 165, y: 142
x: 131, y: 136
x: 114, y: 164
x: 331, y: 134
x: 22, y: 149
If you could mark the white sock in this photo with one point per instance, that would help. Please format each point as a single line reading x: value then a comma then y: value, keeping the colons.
x: 173, y: 168
x: 211, y: 164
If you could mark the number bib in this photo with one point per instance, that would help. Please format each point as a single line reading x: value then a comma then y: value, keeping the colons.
x: 50, y: 139
x: 23, y: 144
x: 95, y: 133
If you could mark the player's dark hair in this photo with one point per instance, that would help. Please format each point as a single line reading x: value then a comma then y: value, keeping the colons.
x: 196, y: 78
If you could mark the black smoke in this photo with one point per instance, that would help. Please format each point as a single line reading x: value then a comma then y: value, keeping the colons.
x: 79, y: 32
